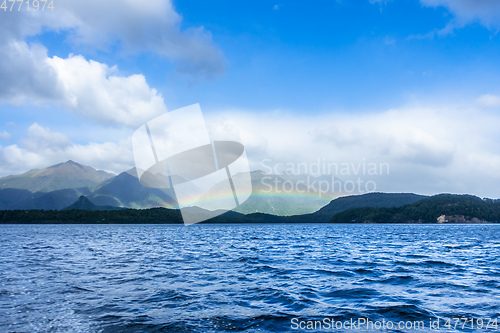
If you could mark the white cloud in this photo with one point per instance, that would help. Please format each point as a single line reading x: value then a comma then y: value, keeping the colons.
x: 5, y: 135
x: 42, y: 147
x: 91, y: 90
x: 88, y: 88
x: 485, y: 12
x: 26, y: 73
x: 40, y: 138
x: 139, y: 27
x: 488, y: 100
x: 429, y: 150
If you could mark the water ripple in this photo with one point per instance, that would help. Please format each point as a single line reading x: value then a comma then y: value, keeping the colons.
x: 252, y: 278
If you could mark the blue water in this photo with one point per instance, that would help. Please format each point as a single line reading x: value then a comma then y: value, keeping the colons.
x: 251, y: 278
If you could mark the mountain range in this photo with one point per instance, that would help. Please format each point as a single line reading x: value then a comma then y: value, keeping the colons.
x: 442, y: 208
x: 60, y: 185
x: 59, y: 192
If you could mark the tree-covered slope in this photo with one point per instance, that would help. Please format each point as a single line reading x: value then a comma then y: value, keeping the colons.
x: 357, y: 201
x: 451, y: 207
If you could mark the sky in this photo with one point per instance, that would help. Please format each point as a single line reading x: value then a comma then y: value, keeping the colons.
x: 413, y: 84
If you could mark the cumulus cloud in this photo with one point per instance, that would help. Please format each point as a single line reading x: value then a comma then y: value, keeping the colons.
x: 136, y: 26
x: 88, y: 88
x: 397, y: 135
x: 42, y: 147
x: 488, y: 100
x: 5, y: 135
x: 486, y: 12
x: 25, y: 72
x: 429, y: 150
x: 40, y: 138
x: 91, y: 90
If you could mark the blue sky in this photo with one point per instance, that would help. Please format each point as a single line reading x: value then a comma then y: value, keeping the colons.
x: 346, y: 55
x: 415, y: 84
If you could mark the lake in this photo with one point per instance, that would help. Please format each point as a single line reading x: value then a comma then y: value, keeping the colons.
x: 249, y: 277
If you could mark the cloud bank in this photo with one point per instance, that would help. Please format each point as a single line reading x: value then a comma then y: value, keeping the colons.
x: 41, y: 147
x: 88, y: 88
x: 429, y: 149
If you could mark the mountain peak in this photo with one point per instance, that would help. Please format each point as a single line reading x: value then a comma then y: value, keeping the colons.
x: 61, y: 176
x: 83, y: 200
x: 68, y: 163
x: 83, y: 203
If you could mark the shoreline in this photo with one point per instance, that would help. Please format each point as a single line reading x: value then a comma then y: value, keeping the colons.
x: 236, y: 223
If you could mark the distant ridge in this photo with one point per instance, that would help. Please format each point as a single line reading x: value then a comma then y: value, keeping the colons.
x: 441, y: 208
x: 60, y: 185
x: 375, y: 199
x: 67, y: 175
x: 125, y: 190
x: 85, y: 204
